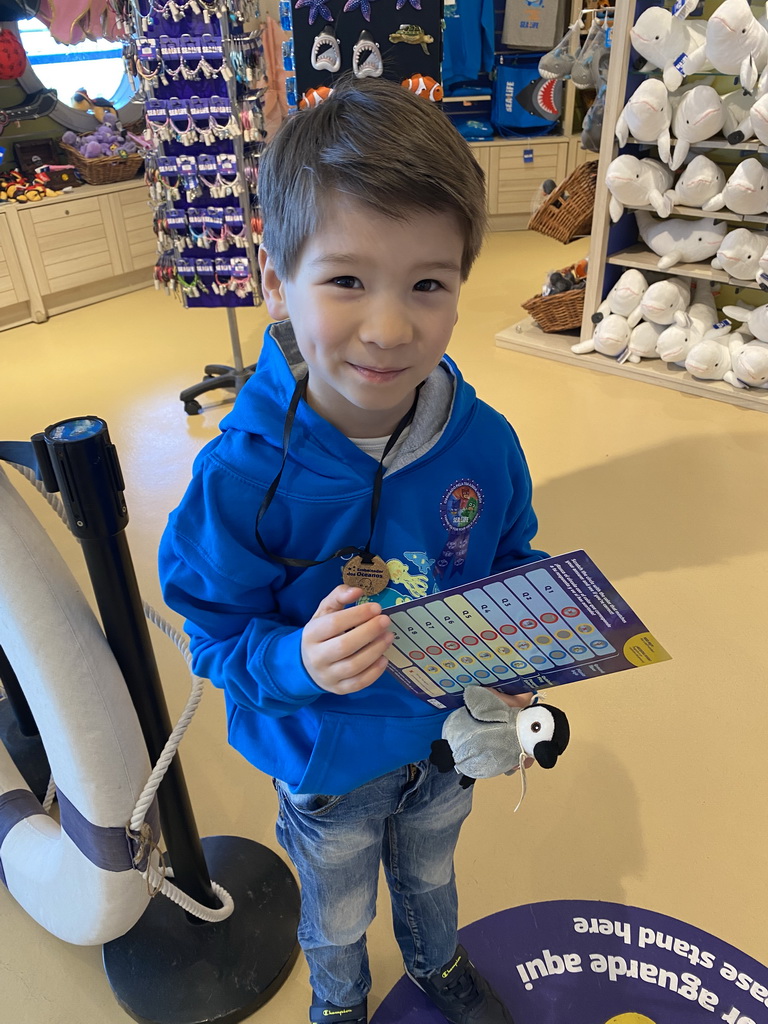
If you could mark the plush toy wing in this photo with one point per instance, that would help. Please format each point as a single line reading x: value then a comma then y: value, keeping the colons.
x: 487, y: 737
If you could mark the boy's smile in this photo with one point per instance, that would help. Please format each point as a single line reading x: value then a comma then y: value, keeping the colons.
x: 373, y: 302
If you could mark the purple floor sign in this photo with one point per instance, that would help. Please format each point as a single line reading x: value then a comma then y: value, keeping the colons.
x: 582, y: 962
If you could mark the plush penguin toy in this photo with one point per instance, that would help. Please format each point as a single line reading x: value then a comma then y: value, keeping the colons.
x: 487, y: 737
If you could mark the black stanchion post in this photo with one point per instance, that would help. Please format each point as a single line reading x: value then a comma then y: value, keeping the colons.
x: 155, y: 970
x: 19, y: 733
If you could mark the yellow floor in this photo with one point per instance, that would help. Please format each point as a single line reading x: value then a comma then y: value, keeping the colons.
x: 661, y: 800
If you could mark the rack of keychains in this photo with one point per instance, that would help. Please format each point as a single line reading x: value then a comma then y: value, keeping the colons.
x: 199, y: 65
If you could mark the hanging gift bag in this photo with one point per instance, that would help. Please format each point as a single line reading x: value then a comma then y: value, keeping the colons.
x: 524, y: 103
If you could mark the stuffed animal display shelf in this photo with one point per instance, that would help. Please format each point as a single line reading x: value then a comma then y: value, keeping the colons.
x: 676, y: 192
x: 487, y: 737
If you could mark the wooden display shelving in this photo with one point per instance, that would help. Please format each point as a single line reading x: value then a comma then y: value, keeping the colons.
x: 526, y: 336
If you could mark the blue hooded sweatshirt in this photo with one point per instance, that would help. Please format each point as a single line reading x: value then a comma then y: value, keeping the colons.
x: 455, y: 506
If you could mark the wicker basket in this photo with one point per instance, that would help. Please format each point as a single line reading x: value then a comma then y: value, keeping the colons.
x: 566, y: 213
x: 105, y: 170
x: 555, y: 313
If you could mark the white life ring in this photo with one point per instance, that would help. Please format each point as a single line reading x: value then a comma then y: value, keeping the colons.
x: 76, y: 879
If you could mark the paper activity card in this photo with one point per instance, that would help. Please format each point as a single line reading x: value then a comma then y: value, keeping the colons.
x: 543, y: 624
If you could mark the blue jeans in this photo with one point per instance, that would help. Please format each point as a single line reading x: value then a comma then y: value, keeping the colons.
x: 409, y: 820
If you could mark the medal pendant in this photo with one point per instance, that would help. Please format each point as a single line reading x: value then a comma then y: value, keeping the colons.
x: 372, y: 576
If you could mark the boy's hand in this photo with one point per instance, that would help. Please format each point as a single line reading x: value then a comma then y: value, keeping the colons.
x: 343, y: 648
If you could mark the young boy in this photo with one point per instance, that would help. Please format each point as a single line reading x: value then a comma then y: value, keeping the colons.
x: 357, y: 470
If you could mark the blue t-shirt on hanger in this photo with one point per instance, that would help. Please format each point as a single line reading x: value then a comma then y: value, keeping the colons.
x: 468, y: 42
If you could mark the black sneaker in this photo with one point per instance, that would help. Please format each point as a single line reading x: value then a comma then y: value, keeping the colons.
x: 326, y: 1013
x: 462, y: 995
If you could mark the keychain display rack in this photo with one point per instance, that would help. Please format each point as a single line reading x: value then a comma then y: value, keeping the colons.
x: 200, y: 70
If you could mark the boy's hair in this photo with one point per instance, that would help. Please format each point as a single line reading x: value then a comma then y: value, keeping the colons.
x: 377, y: 142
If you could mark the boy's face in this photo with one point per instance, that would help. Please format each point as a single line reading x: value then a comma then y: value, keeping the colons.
x: 373, y: 304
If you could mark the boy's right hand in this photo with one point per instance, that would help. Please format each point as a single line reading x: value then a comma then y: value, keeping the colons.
x: 343, y: 648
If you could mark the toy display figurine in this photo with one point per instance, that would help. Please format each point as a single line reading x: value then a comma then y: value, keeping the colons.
x: 758, y: 119
x: 661, y: 37
x: 636, y: 183
x: 739, y: 254
x: 624, y: 298
x: 611, y: 337
x: 676, y: 240
x: 701, y: 180
x: 488, y: 737
x: 745, y: 192
x: 698, y: 115
x: 647, y: 116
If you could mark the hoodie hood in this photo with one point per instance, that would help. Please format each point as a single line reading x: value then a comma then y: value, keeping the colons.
x: 260, y: 410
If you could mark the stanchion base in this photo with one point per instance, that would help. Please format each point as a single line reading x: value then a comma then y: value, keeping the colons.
x: 28, y: 752
x: 172, y: 969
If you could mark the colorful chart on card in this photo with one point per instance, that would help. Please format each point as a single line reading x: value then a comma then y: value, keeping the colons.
x: 550, y: 622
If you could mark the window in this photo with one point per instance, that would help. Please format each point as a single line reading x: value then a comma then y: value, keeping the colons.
x: 96, y: 67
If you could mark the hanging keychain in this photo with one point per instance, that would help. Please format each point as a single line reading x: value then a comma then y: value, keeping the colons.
x: 170, y: 52
x: 215, y: 230
x: 158, y: 128
x: 222, y: 277
x: 219, y: 110
x: 168, y: 171
x: 190, y: 181
x: 196, y: 227
x: 181, y: 122
x: 242, y: 281
x: 234, y: 221
x: 199, y: 111
x: 177, y: 227
x: 191, y: 57
x: 212, y: 55
x: 228, y: 175
x: 165, y: 271
x: 207, y: 170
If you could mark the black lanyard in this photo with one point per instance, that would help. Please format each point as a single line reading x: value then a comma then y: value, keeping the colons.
x: 365, y: 553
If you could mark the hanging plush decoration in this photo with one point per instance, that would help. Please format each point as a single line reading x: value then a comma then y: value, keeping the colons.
x: 13, y: 59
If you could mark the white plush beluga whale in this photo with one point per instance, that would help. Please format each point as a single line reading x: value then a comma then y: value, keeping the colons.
x: 664, y: 300
x: 739, y: 254
x: 697, y: 323
x: 700, y: 181
x: 745, y: 192
x: 749, y: 365
x: 624, y: 298
x: 647, y: 116
x: 736, y: 44
x: 635, y: 183
x: 662, y: 38
x: 610, y: 338
x: 642, y: 342
x: 677, y: 240
x: 697, y: 115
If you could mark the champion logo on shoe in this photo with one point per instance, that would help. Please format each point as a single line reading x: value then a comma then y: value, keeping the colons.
x: 448, y: 970
x: 336, y: 1013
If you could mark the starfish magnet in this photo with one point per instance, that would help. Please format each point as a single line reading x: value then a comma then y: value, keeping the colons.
x: 415, y: 4
x: 316, y: 7
x: 364, y: 5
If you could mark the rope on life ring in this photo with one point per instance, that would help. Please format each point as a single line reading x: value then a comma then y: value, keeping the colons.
x: 77, y: 878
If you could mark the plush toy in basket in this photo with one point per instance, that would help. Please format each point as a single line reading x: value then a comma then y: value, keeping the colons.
x: 106, y: 155
x: 560, y: 304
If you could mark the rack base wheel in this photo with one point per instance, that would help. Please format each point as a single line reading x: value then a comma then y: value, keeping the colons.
x: 171, y: 968
x: 192, y: 407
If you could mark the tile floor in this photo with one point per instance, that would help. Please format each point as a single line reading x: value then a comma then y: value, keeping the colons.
x: 661, y: 800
